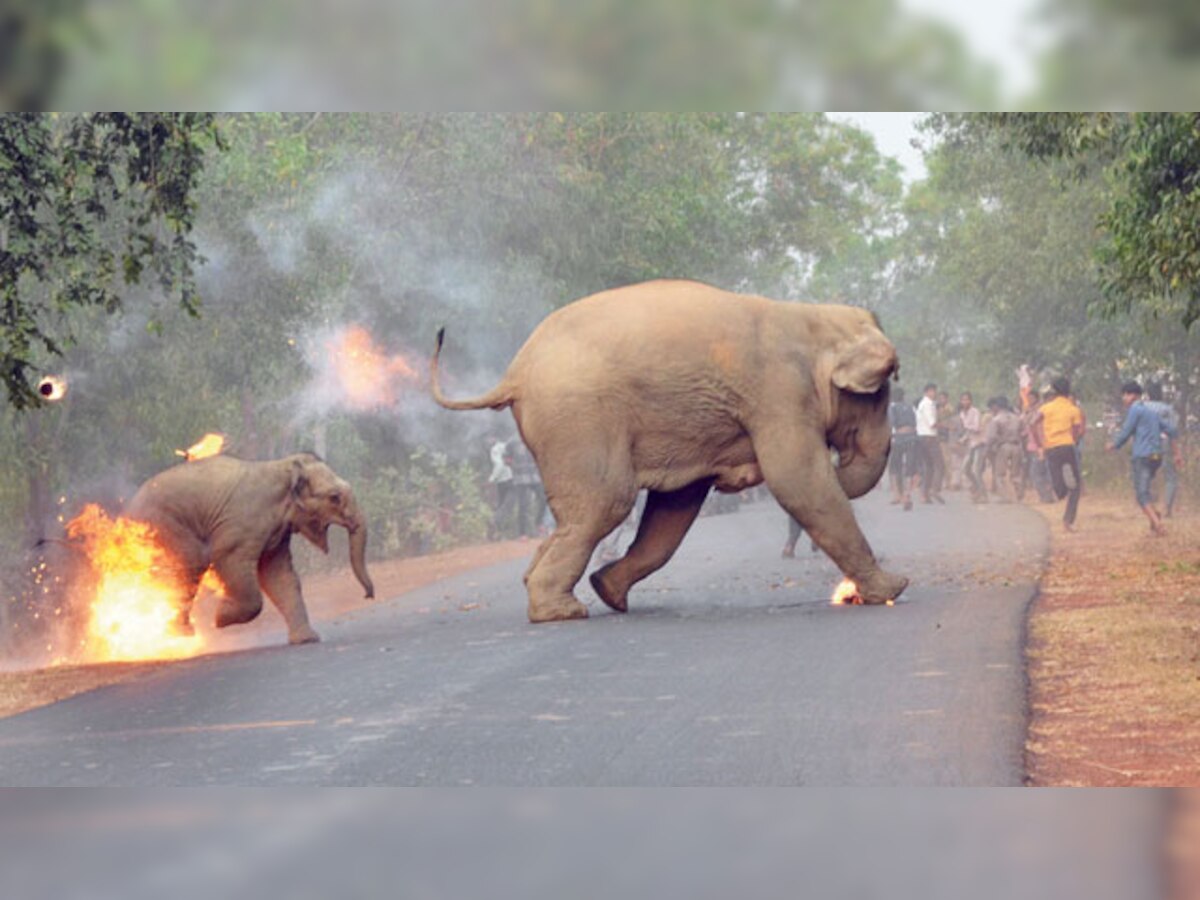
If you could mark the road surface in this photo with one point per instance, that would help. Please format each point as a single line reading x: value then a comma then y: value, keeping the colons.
x: 731, y: 668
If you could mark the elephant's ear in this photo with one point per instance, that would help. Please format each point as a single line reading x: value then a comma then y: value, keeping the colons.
x: 299, y: 479
x: 864, y: 364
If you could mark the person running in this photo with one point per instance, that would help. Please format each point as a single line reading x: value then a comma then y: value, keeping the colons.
x: 1003, y: 440
x: 1037, y: 473
x: 968, y: 415
x: 954, y: 452
x: 1059, y: 425
x: 930, y: 448
x: 1170, y: 471
x: 1146, y: 428
x: 903, y: 464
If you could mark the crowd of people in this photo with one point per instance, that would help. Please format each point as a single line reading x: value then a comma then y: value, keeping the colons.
x: 1006, y: 452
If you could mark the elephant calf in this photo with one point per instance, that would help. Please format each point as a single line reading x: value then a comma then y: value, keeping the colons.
x: 678, y: 387
x: 238, y: 517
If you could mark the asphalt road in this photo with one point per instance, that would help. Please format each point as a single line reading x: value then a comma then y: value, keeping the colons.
x: 731, y: 668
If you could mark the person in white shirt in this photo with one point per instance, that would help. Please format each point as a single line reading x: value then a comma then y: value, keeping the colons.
x: 502, y: 478
x: 930, y: 448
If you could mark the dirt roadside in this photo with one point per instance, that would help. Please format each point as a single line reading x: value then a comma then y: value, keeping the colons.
x: 1113, y: 655
x: 327, y: 596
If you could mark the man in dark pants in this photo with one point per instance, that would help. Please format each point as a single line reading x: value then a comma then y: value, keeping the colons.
x: 1059, y: 425
x: 1170, y: 471
x: 929, y: 446
x: 528, y: 487
x: 902, y: 465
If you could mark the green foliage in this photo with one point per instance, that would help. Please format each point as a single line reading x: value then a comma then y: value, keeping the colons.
x: 88, y: 204
x: 426, y: 505
x: 1149, y: 254
x: 1151, y: 260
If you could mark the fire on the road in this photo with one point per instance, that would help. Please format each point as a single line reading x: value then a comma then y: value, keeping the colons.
x: 366, y: 375
x: 846, y: 594
x: 132, y: 595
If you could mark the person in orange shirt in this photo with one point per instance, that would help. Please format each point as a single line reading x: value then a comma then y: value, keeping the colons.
x: 1057, y: 428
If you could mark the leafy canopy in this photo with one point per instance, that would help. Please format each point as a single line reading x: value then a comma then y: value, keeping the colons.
x: 88, y: 204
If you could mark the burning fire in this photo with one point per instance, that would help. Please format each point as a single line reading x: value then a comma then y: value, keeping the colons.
x: 209, y: 445
x: 52, y: 387
x: 367, y: 376
x: 134, y: 593
x: 846, y: 594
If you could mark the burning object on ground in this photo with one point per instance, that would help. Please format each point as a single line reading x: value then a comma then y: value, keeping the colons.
x: 846, y: 594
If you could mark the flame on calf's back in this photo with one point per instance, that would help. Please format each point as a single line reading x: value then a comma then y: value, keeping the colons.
x: 209, y: 445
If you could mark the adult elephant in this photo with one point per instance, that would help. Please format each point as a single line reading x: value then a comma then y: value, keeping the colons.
x: 238, y: 517
x: 678, y: 387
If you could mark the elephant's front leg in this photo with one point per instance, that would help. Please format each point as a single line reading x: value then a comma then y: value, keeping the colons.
x: 796, y: 466
x: 282, y: 585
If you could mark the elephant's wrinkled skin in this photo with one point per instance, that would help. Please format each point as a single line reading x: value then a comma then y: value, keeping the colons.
x: 238, y: 517
x: 677, y: 387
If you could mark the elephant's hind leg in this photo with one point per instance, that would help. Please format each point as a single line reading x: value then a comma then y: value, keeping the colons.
x: 666, y: 519
x: 243, y: 600
x: 189, y: 583
x: 282, y: 585
x: 561, y: 560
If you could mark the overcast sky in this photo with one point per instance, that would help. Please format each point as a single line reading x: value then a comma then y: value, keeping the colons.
x: 894, y: 132
x: 1001, y: 32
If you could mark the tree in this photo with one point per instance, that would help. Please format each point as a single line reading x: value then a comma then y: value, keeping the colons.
x: 89, y: 203
x: 1149, y: 249
x: 998, y: 263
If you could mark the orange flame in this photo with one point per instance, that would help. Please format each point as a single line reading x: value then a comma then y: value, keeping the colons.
x: 133, y: 603
x: 52, y: 387
x: 846, y: 594
x: 367, y: 376
x: 209, y: 445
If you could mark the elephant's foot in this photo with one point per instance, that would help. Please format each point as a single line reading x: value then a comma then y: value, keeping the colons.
x: 881, y: 587
x: 303, y: 635
x: 614, y: 597
x: 557, y: 609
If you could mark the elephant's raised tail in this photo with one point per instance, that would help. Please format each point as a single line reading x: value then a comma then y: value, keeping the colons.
x: 497, y: 398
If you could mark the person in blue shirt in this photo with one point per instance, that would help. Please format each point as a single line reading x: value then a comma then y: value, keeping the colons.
x: 1166, y: 412
x: 1146, y: 428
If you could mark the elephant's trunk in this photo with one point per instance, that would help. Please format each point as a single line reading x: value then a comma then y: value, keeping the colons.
x: 357, y: 526
x: 862, y: 472
x: 863, y: 439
